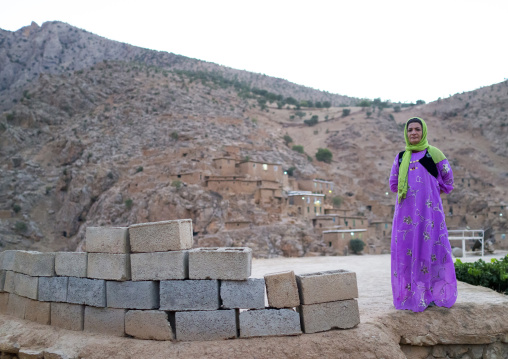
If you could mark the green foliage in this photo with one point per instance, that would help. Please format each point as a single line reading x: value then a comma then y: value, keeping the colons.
x: 493, y: 275
x: 139, y: 169
x: 346, y: 112
x: 324, y: 155
x: 297, y: 148
x: 420, y: 102
x: 327, y: 104
x: 356, y: 245
x: 396, y: 109
x: 364, y: 103
x: 16, y: 208
x: 313, y: 121
x: 177, y: 184
x: 128, y: 203
x: 287, y: 139
x: 300, y: 114
x: 291, y: 171
x: 20, y: 226
x: 337, y: 201
x: 174, y: 135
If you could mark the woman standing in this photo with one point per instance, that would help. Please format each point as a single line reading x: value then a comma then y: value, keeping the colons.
x: 423, y: 273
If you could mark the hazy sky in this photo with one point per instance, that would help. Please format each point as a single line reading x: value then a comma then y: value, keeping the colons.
x: 396, y: 50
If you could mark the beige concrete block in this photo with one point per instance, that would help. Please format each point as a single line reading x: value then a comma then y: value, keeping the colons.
x: 105, y: 320
x: 67, y: 316
x: 329, y: 286
x: 36, y: 264
x: 161, y: 236
x: 148, y: 324
x: 109, y: 266
x: 39, y: 312
x: 7, y: 259
x: 159, y: 265
x: 233, y: 263
x: 9, y: 281
x: 281, y: 290
x: 321, y: 317
x: 16, y: 306
x: 26, y: 286
x: 71, y: 264
x: 107, y: 240
x: 4, y: 300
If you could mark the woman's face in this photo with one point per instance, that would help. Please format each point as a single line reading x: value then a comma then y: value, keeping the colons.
x: 414, y: 133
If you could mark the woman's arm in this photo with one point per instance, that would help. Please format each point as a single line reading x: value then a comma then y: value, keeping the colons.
x: 394, y: 175
x: 445, y: 177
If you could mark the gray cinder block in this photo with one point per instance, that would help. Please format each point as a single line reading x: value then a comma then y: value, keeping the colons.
x: 16, y: 306
x: 105, y: 320
x: 36, y: 264
x: 148, y: 324
x: 220, y: 263
x: 243, y: 294
x: 132, y: 295
x: 53, y: 289
x: 4, y: 300
x: 7, y: 259
x: 159, y: 265
x: 107, y: 240
x: 205, y: 325
x: 189, y: 295
x: 39, y: 312
x: 9, y: 281
x: 329, y: 286
x: 161, y: 236
x: 320, y: 317
x: 87, y: 291
x: 26, y: 286
x: 267, y: 322
x: 67, y: 316
x: 281, y: 290
x: 2, y: 279
x: 109, y: 266
x: 71, y: 264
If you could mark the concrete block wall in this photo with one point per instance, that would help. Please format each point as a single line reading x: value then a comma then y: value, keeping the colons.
x: 146, y: 281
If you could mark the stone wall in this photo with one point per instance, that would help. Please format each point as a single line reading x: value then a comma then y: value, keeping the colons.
x: 146, y: 281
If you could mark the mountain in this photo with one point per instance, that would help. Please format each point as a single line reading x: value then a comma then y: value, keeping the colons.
x: 94, y: 132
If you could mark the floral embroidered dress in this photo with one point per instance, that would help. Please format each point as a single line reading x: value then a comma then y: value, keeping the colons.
x: 422, y: 265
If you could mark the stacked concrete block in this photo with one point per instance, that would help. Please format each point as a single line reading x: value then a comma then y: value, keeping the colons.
x: 7, y: 259
x: 148, y: 324
x: 25, y: 285
x: 53, y: 289
x: 109, y: 266
x: 16, y: 306
x: 67, y: 316
x: 161, y: 236
x: 39, y: 312
x: 132, y: 295
x: 181, y: 295
x: 71, y: 264
x: 4, y: 300
x: 159, y: 265
x: 220, y: 263
x: 105, y: 320
x: 2, y: 280
x: 245, y: 294
x: 282, y: 290
x: 269, y: 322
x: 205, y: 325
x: 107, y: 240
x: 327, y: 300
x: 86, y: 291
x: 35, y: 263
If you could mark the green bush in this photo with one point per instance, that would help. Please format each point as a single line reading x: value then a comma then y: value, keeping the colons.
x: 174, y: 135
x: 324, y: 155
x: 128, y: 203
x: 139, y: 169
x: 356, y: 245
x: 297, y: 148
x: 177, y: 184
x: 287, y: 139
x: 337, y: 201
x: 493, y: 275
x: 346, y: 112
x: 313, y: 121
x: 20, y: 226
x: 291, y: 171
x: 16, y: 208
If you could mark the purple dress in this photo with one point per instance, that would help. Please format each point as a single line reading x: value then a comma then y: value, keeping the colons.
x: 422, y: 264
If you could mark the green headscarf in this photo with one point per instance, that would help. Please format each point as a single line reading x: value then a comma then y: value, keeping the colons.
x: 437, y: 156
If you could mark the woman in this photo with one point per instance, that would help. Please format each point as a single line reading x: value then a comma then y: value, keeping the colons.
x: 422, y: 274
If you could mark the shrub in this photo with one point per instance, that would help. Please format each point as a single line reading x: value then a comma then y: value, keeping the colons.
x: 337, y: 201
x: 346, y: 112
x: 287, y: 139
x: 297, y: 148
x: 356, y: 245
x: 493, y: 275
x: 16, y: 208
x: 291, y: 171
x: 139, y: 169
x: 174, y: 135
x: 324, y: 155
x: 313, y: 121
x: 20, y: 226
x: 128, y: 203
x: 177, y: 184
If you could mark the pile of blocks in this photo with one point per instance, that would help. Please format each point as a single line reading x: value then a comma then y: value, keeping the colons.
x: 146, y: 281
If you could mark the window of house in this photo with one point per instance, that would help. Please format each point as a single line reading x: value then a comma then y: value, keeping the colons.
x: 333, y: 219
x: 360, y: 235
x: 308, y: 209
x: 354, y: 222
x: 503, y: 236
x: 253, y: 165
x: 386, y: 225
x: 275, y: 168
x: 308, y: 199
x: 265, y: 166
x: 329, y: 244
x: 291, y: 200
x: 342, y: 235
x: 315, y: 210
x: 319, y: 209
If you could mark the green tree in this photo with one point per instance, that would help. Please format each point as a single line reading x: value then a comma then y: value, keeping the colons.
x: 337, y: 201
x: 356, y: 245
x: 324, y: 155
x: 313, y: 121
x: 364, y: 103
x: 287, y: 139
x: 346, y: 112
x: 297, y: 148
x: 300, y: 114
x: 327, y: 104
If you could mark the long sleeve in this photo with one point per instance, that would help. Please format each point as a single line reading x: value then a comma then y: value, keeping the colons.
x: 445, y: 177
x: 394, y: 175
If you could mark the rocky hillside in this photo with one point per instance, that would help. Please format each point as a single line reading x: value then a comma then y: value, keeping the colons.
x: 93, y: 132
